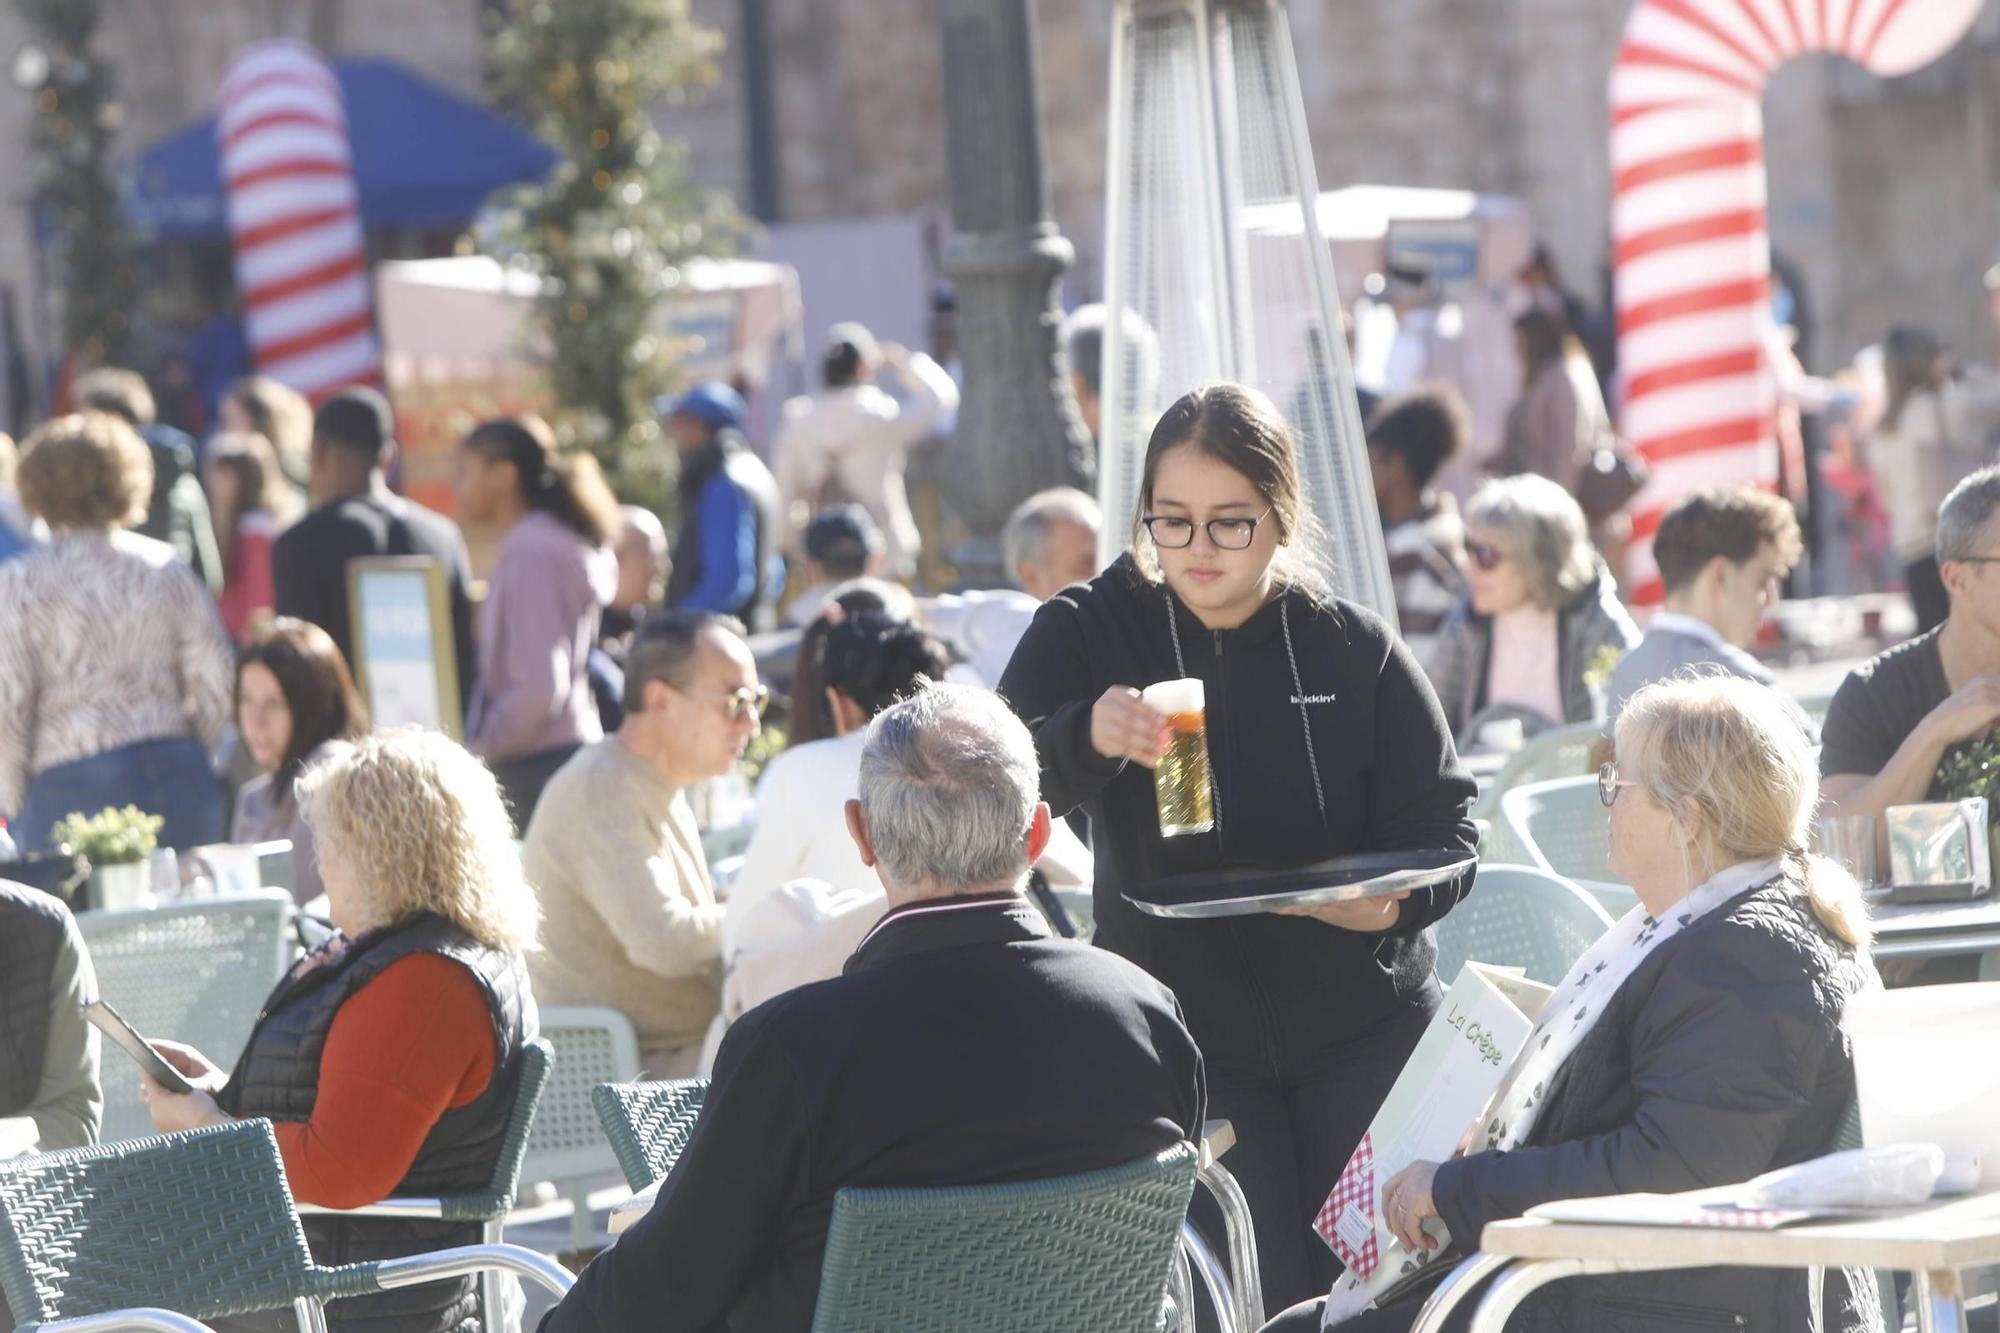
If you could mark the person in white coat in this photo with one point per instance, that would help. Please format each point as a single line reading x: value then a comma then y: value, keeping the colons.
x: 850, y: 443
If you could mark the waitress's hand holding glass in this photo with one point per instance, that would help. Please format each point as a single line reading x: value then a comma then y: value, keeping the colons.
x: 1162, y: 728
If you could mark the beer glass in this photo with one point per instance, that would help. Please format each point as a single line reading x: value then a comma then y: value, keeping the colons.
x: 1181, y: 781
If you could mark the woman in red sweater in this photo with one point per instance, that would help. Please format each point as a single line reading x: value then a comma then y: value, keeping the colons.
x: 387, y: 1059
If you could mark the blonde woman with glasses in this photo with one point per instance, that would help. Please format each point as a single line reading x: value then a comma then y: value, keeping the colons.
x: 1696, y: 1043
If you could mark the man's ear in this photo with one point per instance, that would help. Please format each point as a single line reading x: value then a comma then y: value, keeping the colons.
x: 857, y: 829
x: 1040, y: 829
x: 655, y: 694
x: 1716, y: 573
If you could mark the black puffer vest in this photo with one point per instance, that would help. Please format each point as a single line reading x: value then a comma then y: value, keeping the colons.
x: 278, y: 1077
x: 32, y: 926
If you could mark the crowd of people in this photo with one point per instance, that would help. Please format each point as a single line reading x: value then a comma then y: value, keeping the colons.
x: 869, y: 989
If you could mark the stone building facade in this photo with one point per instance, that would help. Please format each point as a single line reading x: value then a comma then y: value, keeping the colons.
x: 1885, y: 196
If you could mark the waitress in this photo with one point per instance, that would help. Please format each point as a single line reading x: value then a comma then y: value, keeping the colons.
x: 1324, y: 739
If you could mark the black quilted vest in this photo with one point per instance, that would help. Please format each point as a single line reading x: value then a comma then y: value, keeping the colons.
x: 278, y: 1077
x: 32, y: 926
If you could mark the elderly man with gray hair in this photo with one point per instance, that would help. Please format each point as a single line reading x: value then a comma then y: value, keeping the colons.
x: 962, y: 1045
x: 1897, y: 716
x: 1049, y: 542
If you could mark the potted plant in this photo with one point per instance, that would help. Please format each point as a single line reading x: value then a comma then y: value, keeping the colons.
x: 117, y: 844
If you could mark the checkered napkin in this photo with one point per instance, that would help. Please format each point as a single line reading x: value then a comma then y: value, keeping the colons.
x: 1346, y: 1221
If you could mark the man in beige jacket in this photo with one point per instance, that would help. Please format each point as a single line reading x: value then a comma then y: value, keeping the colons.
x: 629, y: 915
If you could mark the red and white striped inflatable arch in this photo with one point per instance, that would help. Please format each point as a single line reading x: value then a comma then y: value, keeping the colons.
x: 1689, y: 244
x: 295, y: 217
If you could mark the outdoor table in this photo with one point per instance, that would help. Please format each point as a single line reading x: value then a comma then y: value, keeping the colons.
x: 1932, y: 1243
x: 1937, y: 930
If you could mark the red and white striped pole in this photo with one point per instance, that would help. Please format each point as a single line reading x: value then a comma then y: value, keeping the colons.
x: 295, y: 218
x: 1690, y: 247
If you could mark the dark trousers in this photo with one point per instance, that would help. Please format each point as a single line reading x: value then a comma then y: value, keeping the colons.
x: 1397, y: 1318
x: 1295, y: 1130
x: 522, y: 778
x: 1927, y: 594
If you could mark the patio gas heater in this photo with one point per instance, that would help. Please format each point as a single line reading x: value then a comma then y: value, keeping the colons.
x: 1215, y: 266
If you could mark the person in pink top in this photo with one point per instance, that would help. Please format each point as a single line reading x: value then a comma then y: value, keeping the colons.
x: 544, y: 601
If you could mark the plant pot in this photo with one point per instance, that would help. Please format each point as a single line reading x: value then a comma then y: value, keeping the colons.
x: 121, y: 887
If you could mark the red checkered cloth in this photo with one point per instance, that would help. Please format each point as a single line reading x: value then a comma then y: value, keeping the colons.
x: 1353, y: 1195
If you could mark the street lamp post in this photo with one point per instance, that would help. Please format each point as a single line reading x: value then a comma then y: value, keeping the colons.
x: 1018, y: 429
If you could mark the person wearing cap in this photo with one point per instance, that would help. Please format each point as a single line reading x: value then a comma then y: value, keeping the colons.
x: 850, y: 442
x: 356, y: 515
x: 842, y: 543
x: 726, y: 557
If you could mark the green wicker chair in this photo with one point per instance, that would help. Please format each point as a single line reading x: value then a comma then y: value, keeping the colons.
x: 1562, y: 825
x: 200, y: 1223
x: 648, y: 1124
x: 489, y: 1205
x: 197, y: 972
x: 1090, y: 1251
x: 593, y: 1045
x: 1516, y: 916
x: 1559, y: 752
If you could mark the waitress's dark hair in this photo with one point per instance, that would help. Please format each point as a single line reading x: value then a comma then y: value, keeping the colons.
x: 875, y: 659
x: 319, y: 691
x: 1241, y: 428
x: 568, y: 486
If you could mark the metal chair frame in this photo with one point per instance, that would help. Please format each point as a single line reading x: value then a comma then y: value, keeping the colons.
x: 488, y: 1206
x: 254, y: 1199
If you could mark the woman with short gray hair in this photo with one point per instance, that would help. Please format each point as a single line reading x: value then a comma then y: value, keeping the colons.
x: 1541, y: 619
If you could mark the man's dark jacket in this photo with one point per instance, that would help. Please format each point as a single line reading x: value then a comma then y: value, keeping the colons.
x: 962, y: 1046
x: 309, y: 566
x: 1720, y: 1058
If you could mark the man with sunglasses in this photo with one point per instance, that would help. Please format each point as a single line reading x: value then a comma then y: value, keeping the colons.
x: 629, y: 914
x: 1897, y: 716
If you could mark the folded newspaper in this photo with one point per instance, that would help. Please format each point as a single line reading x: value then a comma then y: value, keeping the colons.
x: 1443, y: 1090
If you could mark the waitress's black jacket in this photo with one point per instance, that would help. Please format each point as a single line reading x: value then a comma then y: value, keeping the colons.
x: 1260, y: 992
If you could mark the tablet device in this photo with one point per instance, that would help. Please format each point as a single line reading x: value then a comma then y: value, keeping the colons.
x: 126, y: 1037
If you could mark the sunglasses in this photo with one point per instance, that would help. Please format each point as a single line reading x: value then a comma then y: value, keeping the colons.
x: 737, y: 703
x: 1485, y: 554
x: 1609, y: 784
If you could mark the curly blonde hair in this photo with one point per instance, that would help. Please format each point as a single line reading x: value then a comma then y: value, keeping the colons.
x: 420, y: 823
x: 86, y: 470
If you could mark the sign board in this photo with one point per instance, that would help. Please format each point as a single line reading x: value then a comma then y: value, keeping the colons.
x: 404, y: 657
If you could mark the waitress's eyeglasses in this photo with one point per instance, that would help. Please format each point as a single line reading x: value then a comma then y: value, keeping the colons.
x: 1228, y: 534
x: 1485, y: 554
x: 1609, y: 784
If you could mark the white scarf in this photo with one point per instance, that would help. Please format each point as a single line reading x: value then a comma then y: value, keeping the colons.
x: 1573, y: 1008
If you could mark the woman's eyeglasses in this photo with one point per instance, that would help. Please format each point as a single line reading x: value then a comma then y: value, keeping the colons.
x: 736, y: 703
x: 1609, y: 784
x: 1485, y: 554
x: 1228, y: 534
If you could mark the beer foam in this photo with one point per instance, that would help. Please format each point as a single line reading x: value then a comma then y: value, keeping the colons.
x: 1175, y: 696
